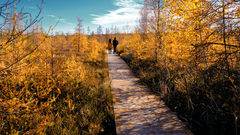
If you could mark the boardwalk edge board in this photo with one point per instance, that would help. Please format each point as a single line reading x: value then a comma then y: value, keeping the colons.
x: 136, y: 110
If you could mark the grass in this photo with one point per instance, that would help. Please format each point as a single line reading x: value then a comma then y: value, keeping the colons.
x: 209, y: 107
x: 76, y: 100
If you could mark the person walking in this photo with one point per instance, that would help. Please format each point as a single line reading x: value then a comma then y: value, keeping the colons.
x: 115, y: 43
x: 110, y: 47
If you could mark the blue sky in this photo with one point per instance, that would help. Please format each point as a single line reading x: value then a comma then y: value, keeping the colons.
x: 93, y: 12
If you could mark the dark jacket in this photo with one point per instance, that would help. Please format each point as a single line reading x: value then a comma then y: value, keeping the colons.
x: 115, y: 42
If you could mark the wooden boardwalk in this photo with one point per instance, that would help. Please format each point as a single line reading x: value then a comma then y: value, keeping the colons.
x: 137, y: 111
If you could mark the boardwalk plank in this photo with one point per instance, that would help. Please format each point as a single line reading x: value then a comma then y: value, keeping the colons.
x: 136, y: 110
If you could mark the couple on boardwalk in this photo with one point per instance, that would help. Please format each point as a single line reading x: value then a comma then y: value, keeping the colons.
x: 114, y: 44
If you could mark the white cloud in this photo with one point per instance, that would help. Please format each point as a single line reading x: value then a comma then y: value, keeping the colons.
x: 127, y: 3
x: 51, y: 15
x: 30, y: 7
x: 63, y: 21
x: 127, y: 12
x: 69, y: 23
x: 60, y: 19
x: 93, y: 15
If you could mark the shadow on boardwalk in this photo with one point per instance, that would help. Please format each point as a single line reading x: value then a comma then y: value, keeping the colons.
x: 136, y: 110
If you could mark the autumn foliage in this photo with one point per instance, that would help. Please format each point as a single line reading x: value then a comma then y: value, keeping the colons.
x: 188, y: 52
x: 185, y: 51
x: 51, y: 83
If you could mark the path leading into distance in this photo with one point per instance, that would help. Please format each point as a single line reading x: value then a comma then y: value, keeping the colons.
x: 136, y: 110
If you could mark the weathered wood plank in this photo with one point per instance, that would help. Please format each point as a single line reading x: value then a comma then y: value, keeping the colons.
x: 136, y: 110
